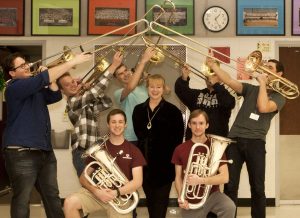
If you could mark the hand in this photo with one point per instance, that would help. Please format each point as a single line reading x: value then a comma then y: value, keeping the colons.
x: 105, y: 195
x: 185, y: 72
x: 262, y: 79
x: 194, y: 179
x: 149, y: 52
x: 81, y: 58
x: 183, y: 204
x: 117, y: 59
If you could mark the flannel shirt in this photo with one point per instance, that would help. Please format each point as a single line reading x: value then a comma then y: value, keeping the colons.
x: 83, y: 111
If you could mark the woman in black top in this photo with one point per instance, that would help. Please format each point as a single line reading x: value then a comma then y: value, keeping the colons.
x: 159, y: 127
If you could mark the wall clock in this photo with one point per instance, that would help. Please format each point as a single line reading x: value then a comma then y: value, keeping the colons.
x: 215, y: 19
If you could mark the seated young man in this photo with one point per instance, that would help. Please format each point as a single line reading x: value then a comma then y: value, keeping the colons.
x: 129, y: 159
x: 216, y: 202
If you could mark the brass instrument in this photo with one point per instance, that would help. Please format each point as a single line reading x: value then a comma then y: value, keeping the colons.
x: 281, y: 85
x: 108, y: 175
x: 65, y: 57
x: 204, y: 165
x: 203, y: 73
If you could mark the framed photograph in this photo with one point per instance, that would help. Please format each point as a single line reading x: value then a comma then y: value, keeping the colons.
x: 106, y: 16
x: 12, y: 17
x: 182, y: 19
x: 296, y: 17
x: 260, y: 17
x: 55, y: 17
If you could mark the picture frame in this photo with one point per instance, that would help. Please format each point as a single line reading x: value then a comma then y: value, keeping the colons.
x: 12, y: 17
x: 183, y: 20
x: 260, y: 17
x: 106, y: 16
x: 55, y: 17
x: 295, y: 18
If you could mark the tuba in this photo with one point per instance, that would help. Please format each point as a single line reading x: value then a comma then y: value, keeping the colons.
x: 107, y: 174
x: 204, y: 165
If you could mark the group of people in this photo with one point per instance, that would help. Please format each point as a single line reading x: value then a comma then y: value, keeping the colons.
x: 145, y: 136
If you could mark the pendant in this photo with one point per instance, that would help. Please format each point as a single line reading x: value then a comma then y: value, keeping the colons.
x: 149, y: 125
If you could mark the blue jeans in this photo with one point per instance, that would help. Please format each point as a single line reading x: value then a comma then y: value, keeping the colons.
x: 253, y: 153
x: 78, y: 161
x: 33, y: 168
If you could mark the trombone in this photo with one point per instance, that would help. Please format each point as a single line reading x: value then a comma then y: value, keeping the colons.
x: 204, y: 73
x: 281, y: 85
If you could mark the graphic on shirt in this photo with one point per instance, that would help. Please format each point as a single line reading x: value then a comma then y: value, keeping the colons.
x: 127, y: 156
x: 207, y: 100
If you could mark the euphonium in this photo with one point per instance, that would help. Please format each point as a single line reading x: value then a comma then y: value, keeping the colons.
x: 107, y: 174
x: 204, y: 165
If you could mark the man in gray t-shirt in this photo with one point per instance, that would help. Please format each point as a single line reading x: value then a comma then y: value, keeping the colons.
x: 249, y: 130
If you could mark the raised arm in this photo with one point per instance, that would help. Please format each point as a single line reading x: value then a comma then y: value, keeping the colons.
x: 59, y: 70
x: 264, y: 104
x: 134, y: 81
x: 224, y: 76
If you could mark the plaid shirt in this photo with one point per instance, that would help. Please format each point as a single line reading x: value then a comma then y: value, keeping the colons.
x: 83, y: 111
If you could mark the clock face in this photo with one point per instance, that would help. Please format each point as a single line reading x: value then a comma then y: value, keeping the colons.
x: 215, y: 19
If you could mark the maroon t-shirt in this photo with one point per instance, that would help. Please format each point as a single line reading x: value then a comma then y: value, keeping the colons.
x: 130, y: 158
x: 181, y: 156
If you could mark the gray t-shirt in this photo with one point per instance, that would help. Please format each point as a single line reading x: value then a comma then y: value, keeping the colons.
x: 250, y: 123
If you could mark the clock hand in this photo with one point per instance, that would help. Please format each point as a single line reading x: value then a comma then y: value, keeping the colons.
x: 217, y: 17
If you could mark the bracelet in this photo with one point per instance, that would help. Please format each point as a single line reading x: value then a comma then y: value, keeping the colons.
x: 118, y: 192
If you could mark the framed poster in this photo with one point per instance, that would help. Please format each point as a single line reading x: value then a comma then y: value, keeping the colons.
x: 12, y: 17
x: 106, y: 16
x: 180, y: 20
x: 260, y: 17
x: 55, y: 17
x: 296, y: 17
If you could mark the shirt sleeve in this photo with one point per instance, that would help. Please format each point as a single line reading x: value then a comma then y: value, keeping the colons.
x: 138, y: 159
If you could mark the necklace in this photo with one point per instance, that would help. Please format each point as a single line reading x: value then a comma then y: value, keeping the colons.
x: 149, y: 125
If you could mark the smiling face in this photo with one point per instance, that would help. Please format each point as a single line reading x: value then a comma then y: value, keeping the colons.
x: 69, y: 86
x: 21, y: 69
x: 156, y: 87
x: 123, y: 74
x: 116, y: 124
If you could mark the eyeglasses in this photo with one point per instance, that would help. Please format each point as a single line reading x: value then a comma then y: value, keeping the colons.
x: 23, y: 66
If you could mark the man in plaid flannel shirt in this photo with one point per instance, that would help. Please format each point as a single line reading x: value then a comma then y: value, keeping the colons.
x: 83, y: 109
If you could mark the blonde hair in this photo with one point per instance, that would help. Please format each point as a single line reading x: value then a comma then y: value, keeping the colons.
x: 156, y: 77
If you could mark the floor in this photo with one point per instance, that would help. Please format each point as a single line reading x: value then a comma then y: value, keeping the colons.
x: 284, y: 211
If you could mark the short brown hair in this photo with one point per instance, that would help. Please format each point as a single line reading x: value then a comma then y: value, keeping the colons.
x: 196, y: 113
x: 114, y: 112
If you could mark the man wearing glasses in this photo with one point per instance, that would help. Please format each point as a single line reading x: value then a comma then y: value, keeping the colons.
x: 28, y: 153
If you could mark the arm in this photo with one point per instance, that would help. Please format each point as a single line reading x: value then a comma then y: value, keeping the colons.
x: 135, y: 183
x: 52, y: 94
x: 178, y: 186
x: 117, y: 60
x: 264, y: 104
x: 134, y: 81
x: 224, y: 76
x: 187, y: 95
x: 59, y: 70
x: 221, y: 177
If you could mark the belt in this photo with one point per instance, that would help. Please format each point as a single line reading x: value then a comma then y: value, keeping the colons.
x: 20, y: 148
